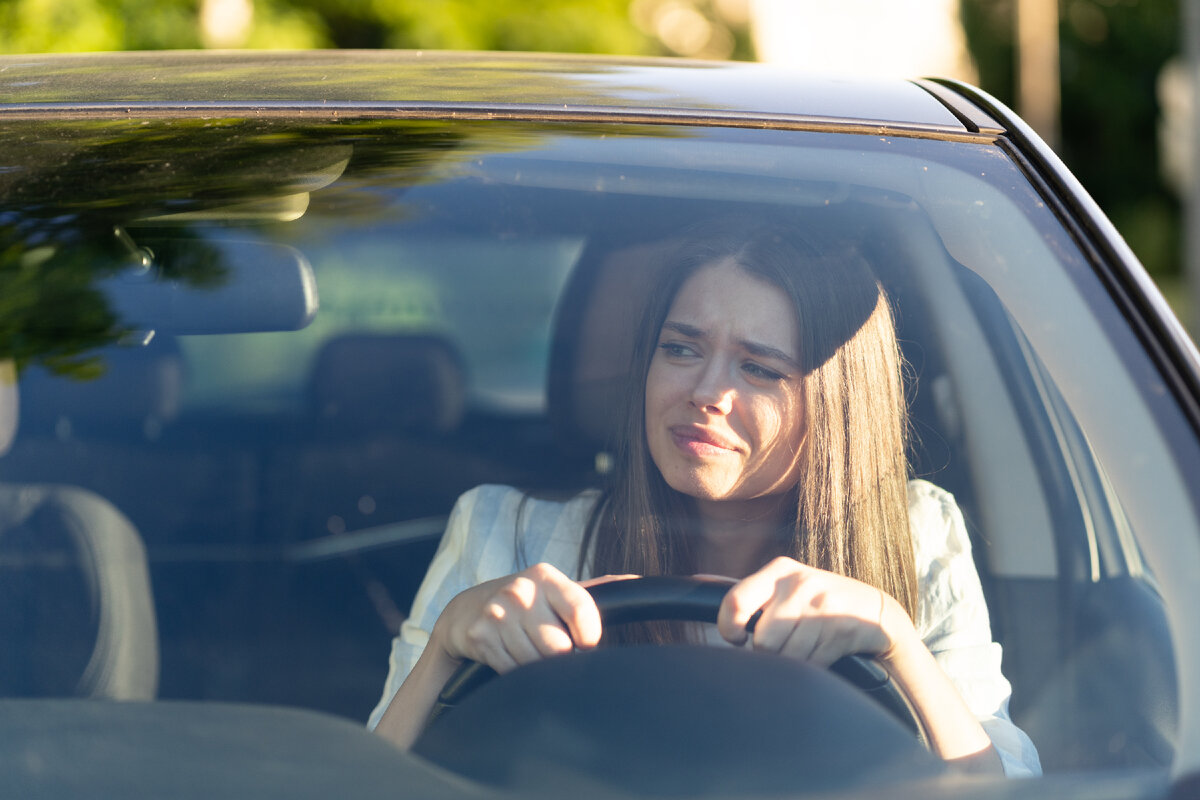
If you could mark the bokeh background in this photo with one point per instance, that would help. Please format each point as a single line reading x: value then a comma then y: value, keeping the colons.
x: 1106, y: 82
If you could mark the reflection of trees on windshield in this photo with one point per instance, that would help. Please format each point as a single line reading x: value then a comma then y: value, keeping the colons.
x: 52, y: 310
x: 49, y: 311
x: 78, y: 182
x: 72, y: 183
x: 130, y: 170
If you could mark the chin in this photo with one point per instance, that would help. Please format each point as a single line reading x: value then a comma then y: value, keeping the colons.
x: 700, y: 489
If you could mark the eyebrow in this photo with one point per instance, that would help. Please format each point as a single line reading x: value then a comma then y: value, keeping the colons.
x: 756, y: 349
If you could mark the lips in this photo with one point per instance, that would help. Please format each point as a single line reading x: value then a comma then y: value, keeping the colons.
x: 701, y: 441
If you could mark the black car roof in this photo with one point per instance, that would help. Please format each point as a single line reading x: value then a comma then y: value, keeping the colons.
x: 476, y: 85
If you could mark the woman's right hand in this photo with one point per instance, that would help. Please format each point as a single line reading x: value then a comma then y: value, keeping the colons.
x: 520, y: 618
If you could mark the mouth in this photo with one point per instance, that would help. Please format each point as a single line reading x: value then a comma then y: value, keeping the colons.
x: 700, y: 441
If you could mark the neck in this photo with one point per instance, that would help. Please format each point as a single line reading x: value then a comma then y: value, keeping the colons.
x: 736, y: 539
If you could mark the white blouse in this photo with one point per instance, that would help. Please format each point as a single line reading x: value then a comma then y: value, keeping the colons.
x: 483, y: 541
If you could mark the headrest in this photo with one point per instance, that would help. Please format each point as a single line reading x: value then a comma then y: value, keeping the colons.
x: 369, y: 381
x: 596, y: 325
x: 141, y: 385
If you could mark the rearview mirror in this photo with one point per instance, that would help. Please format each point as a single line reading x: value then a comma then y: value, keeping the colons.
x: 232, y: 287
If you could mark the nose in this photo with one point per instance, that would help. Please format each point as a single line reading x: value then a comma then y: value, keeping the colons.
x: 712, y: 394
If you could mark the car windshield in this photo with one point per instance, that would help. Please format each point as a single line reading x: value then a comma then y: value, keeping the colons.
x: 273, y: 353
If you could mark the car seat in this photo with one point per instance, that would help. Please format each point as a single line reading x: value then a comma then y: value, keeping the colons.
x: 76, y: 611
x: 382, y: 413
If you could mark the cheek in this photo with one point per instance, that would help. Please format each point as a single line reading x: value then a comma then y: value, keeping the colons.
x: 778, y: 423
x: 659, y: 389
x: 766, y: 420
x: 655, y: 424
x: 653, y: 409
x: 796, y: 426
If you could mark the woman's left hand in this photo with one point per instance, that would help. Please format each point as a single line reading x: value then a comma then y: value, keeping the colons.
x: 812, y: 615
x: 819, y: 616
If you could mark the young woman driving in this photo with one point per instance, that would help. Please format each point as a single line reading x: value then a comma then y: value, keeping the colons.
x: 765, y: 442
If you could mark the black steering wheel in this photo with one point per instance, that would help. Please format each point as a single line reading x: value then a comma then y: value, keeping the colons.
x: 613, y: 697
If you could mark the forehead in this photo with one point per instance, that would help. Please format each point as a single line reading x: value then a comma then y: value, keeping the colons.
x: 724, y: 299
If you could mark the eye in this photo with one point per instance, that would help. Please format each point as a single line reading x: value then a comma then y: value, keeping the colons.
x: 677, y: 350
x: 759, y: 372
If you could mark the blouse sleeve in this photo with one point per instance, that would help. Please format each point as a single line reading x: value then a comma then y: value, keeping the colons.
x: 953, y: 622
x: 478, y: 545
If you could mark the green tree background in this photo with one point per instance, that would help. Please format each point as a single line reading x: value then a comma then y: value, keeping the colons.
x: 1112, y: 54
x: 585, y: 26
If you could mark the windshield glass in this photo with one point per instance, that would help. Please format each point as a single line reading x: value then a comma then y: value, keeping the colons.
x: 274, y: 354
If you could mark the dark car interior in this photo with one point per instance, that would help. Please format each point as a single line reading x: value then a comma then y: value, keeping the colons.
x: 268, y: 553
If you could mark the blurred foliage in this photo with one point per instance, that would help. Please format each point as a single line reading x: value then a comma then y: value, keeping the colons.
x: 1112, y: 54
x: 53, y: 312
x: 50, y: 313
x: 704, y: 28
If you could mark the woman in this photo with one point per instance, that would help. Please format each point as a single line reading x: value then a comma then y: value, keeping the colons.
x: 764, y: 441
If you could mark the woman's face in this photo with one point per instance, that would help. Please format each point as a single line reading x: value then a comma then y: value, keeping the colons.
x: 724, y: 409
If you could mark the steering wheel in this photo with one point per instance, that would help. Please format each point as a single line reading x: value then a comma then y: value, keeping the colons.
x: 692, y: 600
x: 480, y: 726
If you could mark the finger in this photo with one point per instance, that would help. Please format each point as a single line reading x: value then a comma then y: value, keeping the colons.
x: 574, y: 605
x: 498, y: 659
x: 551, y: 639
x: 485, y: 646
x: 498, y: 637
x: 778, y: 628
x: 515, y: 611
x: 740, y: 605
x: 519, y: 645
x: 749, y: 596
x: 545, y: 630
x: 535, y: 630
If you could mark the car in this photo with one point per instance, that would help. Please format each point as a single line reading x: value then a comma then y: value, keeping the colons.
x: 265, y: 316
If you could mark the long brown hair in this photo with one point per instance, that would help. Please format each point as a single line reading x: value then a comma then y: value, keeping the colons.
x: 851, y: 510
